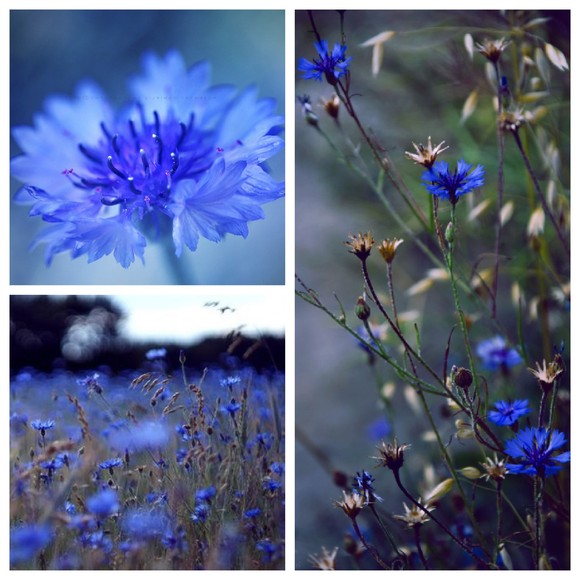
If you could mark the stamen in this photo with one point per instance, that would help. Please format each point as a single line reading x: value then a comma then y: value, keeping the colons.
x: 156, y: 115
x: 182, y: 136
x: 105, y: 131
x: 132, y: 186
x: 91, y: 155
x: 159, y: 144
x: 145, y: 162
x: 114, y: 169
x: 111, y: 200
x: 115, y: 144
x: 174, y: 162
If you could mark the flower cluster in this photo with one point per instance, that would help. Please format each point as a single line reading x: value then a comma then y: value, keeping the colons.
x: 185, y: 158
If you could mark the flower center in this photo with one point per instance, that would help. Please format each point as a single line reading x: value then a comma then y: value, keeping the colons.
x: 135, y: 168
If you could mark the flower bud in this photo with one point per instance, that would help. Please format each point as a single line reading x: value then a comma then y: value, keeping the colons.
x: 362, y: 309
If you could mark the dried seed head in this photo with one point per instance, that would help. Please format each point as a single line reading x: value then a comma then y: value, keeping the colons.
x: 326, y: 560
x: 492, y: 49
x: 360, y: 245
x: 414, y: 516
x: 352, y: 504
x: 494, y: 469
x: 391, y: 455
x: 426, y: 156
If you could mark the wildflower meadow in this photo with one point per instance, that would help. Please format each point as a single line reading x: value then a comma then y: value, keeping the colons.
x: 433, y: 290
x: 171, y: 465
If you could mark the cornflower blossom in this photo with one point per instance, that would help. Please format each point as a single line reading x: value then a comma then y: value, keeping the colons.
x: 332, y: 65
x: 111, y: 463
x: 440, y: 182
x: 42, y: 426
x: 535, y: 447
x: 184, y: 157
x: 363, y: 485
x: 507, y: 413
x: 495, y: 354
x: 27, y: 540
x: 103, y: 503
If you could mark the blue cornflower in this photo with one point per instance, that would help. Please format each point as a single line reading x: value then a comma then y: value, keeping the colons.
x: 252, y: 513
x: 200, y: 513
x: 379, y: 429
x: 205, y: 495
x: 232, y: 407
x: 91, y: 383
x: 184, y: 159
x: 42, y: 426
x: 495, y: 354
x: 103, y: 503
x: 363, y: 485
x: 271, y: 551
x: 332, y: 65
x: 156, y: 353
x: 507, y: 413
x: 229, y: 382
x: 270, y: 484
x: 277, y: 468
x: 443, y: 184
x: 110, y: 463
x: 27, y: 540
x: 535, y: 448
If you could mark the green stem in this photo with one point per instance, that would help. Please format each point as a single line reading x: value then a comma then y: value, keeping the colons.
x: 465, y: 332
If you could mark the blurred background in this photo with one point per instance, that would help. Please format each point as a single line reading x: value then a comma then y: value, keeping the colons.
x: 424, y: 81
x: 52, y: 50
x: 115, y: 333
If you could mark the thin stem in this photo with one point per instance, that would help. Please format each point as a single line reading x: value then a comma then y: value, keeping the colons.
x: 538, y: 497
x: 539, y: 192
x: 371, y: 549
x: 392, y: 293
x: 387, y: 532
x: 465, y: 332
x: 417, y: 530
x: 400, y: 336
x: 461, y: 544
x: 499, y: 508
x: 500, y: 153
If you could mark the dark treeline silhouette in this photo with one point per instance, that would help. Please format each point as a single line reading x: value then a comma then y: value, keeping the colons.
x: 82, y: 332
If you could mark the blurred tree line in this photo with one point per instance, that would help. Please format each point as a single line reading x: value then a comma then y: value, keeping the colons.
x: 82, y: 332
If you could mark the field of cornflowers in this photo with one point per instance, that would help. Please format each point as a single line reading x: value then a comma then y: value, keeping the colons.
x: 433, y: 283
x: 147, y: 471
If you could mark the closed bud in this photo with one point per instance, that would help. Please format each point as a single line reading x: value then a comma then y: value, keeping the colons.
x: 439, y: 491
x: 362, y: 309
x: 463, y: 378
x: 470, y: 472
x: 450, y: 233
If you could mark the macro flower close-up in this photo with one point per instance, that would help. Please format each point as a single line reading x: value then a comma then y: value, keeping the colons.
x: 186, y: 159
x: 150, y: 168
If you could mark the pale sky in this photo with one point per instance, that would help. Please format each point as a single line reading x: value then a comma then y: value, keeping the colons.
x: 185, y: 318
